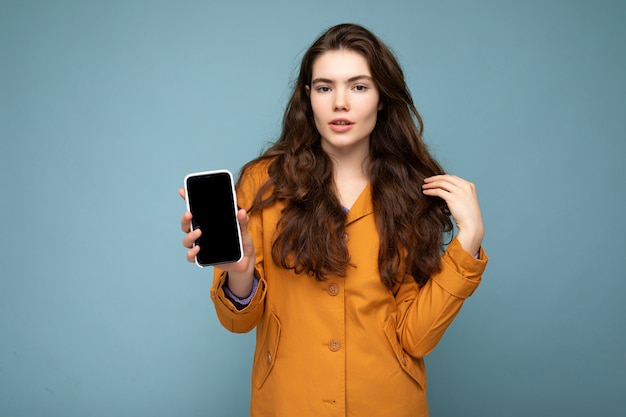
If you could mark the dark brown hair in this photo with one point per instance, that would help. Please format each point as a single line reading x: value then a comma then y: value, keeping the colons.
x: 311, y: 228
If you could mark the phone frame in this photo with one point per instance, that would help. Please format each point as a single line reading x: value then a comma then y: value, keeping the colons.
x: 234, y: 205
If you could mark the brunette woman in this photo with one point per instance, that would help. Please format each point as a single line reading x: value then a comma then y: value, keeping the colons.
x: 350, y: 273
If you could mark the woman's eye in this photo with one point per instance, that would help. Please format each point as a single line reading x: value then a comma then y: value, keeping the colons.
x: 360, y: 87
x: 323, y: 89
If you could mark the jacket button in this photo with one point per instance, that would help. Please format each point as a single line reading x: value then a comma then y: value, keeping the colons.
x: 333, y: 289
x: 269, y: 357
x: 334, y: 345
x: 346, y: 237
x: 404, y: 360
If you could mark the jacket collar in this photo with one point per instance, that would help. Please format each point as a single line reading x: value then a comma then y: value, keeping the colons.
x: 362, y: 206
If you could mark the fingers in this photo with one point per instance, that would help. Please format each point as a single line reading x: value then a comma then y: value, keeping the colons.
x: 185, y: 222
x: 455, y: 191
x: 190, y: 238
x: 439, y: 185
x: 191, y: 253
x: 181, y: 193
x: 188, y: 241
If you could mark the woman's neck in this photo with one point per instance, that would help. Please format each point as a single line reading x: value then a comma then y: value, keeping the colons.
x: 351, y: 175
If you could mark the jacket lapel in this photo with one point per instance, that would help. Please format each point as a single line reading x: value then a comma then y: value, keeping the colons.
x: 362, y: 206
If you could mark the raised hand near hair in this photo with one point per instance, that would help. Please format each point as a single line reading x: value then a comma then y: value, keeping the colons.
x: 462, y: 200
x: 240, y: 273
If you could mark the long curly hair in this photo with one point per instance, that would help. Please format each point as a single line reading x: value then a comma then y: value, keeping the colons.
x: 310, y: 232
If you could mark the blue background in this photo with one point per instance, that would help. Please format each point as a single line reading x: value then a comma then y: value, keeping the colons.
x: 106, y: 105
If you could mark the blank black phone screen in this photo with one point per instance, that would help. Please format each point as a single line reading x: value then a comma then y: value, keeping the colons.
x: 214, y: 211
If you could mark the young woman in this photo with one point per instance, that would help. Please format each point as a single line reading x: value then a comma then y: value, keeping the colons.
x: 344, y: 220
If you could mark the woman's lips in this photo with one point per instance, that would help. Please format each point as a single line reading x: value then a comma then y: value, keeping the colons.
x: 340, y: 125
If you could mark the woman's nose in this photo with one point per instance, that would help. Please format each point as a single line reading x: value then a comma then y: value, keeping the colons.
x: 341, y: 102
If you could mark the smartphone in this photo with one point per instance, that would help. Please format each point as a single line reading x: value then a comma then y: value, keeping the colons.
x: 212, y: 201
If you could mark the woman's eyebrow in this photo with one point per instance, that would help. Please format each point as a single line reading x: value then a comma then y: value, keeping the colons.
x: 350, y: 80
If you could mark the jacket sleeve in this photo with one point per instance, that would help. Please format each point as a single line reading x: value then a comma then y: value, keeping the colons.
x: 233, y: 319
x: 243, y: 320
x: 425, y: 313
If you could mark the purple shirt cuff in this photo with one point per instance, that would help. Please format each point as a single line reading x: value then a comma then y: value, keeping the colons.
x: 241, y: 303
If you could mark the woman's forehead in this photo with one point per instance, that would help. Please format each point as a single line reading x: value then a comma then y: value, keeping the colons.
x: 340, y: 65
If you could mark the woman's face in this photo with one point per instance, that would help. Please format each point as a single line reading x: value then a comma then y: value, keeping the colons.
x: 345, y: 101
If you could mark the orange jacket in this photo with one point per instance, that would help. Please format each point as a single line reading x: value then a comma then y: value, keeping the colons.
x: 346, y: 346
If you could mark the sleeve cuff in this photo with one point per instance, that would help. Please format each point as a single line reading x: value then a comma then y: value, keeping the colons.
x: 240, y: 303
x: 219, y: 294
x: 460, y: 271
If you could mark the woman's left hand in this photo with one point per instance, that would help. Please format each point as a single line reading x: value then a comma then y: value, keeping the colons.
x: 462, y: 200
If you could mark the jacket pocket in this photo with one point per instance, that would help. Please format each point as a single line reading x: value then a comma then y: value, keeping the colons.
x: 412, y: 366
x: 266, y: 351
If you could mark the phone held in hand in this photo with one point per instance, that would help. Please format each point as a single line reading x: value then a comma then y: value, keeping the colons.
x: 212, y: 201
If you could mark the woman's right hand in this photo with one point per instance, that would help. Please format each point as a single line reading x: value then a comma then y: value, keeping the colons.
x: 240, y: 273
